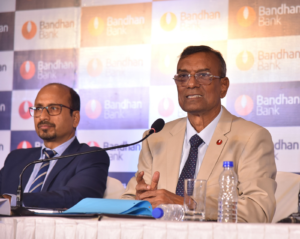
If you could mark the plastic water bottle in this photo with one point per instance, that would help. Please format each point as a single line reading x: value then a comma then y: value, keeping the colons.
x: 227, y: 203
x: 168, y: 212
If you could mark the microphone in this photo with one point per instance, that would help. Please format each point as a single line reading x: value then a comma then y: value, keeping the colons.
x: 157, y: 126
x: 20, y: 210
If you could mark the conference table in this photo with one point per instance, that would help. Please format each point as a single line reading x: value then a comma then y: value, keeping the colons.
x: 115, y: 228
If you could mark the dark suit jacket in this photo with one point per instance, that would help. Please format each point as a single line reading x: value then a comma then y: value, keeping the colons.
x: 70, y: 180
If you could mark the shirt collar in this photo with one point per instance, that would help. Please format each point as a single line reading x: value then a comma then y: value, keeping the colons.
x: 61, y: 148
x: 207, y: 133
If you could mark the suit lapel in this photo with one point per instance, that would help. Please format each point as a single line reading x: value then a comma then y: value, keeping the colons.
x: 174, y: 152
x: 27, y: 173
x: 61, y: 163
x: 214, y: 150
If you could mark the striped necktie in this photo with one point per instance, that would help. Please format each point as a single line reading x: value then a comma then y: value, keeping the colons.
x: 188, y: 171
x: 37, y: 184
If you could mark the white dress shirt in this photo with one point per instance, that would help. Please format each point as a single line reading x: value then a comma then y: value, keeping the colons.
x: 206, y: 135
x: 59, y: 150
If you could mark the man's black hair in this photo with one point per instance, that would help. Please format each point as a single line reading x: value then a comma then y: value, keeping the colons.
x: 74, y: 99
x: 202, y: 48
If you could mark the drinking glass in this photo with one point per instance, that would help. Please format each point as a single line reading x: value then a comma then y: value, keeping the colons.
x: 194, y: 199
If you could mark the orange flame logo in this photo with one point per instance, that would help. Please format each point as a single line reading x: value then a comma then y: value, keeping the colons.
x: 245, y: 60
x: 29, y: 30
x: 246, y: 16
x: 243, y: 105
x: 27, y: 70
x: 168, y: 21
x: 93, y: 109
x: 94, y: 67
x: 96, y: 26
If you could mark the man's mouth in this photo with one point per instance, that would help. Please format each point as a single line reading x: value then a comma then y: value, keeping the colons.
x: 45, y: 126
x: 193, y: 96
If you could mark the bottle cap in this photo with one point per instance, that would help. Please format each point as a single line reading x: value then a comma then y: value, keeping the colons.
x: 227, y: 164
x: 157, y: 212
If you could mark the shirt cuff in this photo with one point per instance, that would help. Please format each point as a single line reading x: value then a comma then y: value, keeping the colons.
x: 13, y: 200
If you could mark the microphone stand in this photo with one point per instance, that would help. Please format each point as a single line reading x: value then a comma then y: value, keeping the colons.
x: 19, y: 210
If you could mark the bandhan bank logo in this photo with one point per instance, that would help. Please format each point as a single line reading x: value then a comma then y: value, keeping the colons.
x: 167, y: 64
x: 93, y: 144
x: 166, y: 107
x: 24, y: 145
x: 27, y: 70
x: 168, y: 21
x: 245, y: 60
x: 24, y: 109
x: 243, y: 105
x: 93, y: 109
x: 96, y: 26
x: 246, y: 16
x: 94, y: 67
x: 29, y: 30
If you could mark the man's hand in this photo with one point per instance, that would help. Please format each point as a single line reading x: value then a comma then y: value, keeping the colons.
x: 142, y: 187
x: 152, y: 194
x: 161, y: 196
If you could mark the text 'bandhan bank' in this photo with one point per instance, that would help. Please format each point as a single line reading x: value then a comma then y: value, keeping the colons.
x: 127, y: 62
x: 271, y: 16
x: 116, y: 154
x: 271, y: 60
x: 125, y: 104
x: 3, y: 28
x: 282, y: 145
x: 117, y: 26
x: 192, y: 21
x: 50, y: 29
x: 47, y: 70
x: 272, y: 104
x: 116, y: 110
x: 3, y: 68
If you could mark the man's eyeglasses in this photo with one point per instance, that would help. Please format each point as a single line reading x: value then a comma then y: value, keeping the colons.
x: 51, y: 109
x: 202, y: 78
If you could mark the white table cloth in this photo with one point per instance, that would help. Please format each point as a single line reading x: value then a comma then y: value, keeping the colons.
x: 111, y: 228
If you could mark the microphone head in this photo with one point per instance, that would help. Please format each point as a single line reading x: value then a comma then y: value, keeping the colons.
x: 157, y: 125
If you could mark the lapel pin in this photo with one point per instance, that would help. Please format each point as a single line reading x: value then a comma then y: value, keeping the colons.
x: 219, y: 142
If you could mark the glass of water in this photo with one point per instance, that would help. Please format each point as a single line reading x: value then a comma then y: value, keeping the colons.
x: 194, y: 199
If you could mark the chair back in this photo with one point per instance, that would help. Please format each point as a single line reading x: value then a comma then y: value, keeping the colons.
x: 288, y: 187
x: 114, y: 189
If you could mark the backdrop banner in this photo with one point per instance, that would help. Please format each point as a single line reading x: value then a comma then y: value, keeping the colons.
x: 121, y: 56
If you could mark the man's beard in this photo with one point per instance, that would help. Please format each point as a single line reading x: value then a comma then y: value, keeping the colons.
x: 45, y: 134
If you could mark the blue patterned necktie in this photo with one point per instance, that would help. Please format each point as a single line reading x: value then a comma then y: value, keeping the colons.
x: 38, y: 182
x: 188, y: 171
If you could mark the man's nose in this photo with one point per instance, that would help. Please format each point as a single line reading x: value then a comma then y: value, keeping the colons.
x: 44, y: 114
x: 192, y: 83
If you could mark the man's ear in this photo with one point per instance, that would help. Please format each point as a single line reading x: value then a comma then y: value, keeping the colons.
x: 76, y: 118
x: 224, y: 87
